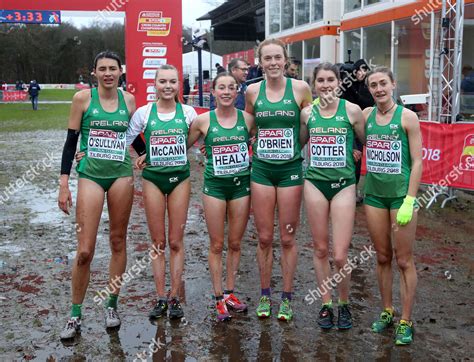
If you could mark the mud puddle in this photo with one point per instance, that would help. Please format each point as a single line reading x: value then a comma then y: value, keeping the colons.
x: 37, y: 247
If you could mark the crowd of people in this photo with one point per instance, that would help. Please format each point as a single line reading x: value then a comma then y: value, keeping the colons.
x: 276, y: 117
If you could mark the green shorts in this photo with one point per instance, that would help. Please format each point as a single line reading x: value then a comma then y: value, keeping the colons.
x: 331, y: 188
x: 285, y: 175
x: 105, y: 183
x: 166, y: 182
x: 389, y: 203
x: 227, y: 188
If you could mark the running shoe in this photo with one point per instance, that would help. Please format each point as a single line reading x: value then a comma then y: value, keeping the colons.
x: 176, y: 311
x: 285, y: 313
x: 112, y: 318
x: 404, y: 333
x: 326, y: 317
x: 385, y: 321
x: 344, y: 317
x: 233, y: 303
x: 222, y: 312
x: 73, y: 327
x: 264, y: 308
x: 159, y: 310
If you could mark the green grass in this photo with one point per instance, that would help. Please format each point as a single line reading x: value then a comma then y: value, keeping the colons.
x: 56, y: 94
x: 20, y: 117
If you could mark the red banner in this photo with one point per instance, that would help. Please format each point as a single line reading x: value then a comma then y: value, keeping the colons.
x: 153, y: 38
x: 448, y: 155
x: 247, y: 55
x: 14, y: 96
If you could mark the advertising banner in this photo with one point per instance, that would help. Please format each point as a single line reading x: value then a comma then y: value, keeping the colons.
x: 448, y: 155
x: 154, y: 31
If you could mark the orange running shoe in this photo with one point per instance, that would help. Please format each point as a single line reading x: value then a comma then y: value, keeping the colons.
x: 233, y: 303
x: 222, y: 312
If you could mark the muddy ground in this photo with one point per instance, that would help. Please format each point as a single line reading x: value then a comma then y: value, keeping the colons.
x: 35, y: 283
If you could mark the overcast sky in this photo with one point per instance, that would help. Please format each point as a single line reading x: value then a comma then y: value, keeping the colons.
x: 192, y: 9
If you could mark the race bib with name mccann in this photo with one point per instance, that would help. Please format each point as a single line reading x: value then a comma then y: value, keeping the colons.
x: 275, y: 144
x: 168, y: 150
x: 106, y: 145
x: 230, y: 159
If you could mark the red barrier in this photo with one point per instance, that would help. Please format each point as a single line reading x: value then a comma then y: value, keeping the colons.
x: 448, y: 155
x: 14, y: 96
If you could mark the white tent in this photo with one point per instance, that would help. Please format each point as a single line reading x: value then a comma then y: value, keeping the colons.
x: 190, y: 64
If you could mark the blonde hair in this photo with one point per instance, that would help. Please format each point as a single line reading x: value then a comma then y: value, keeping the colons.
x: 167, y: 67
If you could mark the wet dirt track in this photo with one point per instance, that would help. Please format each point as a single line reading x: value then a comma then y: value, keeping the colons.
x: 35, y: 283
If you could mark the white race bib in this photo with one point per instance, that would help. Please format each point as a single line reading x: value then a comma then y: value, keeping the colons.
x: 168, y: 150
x: 230, y: 159
x: 275, y: 144
x: 384, y: 156
x: 106, y: 145
x: 328, y: 151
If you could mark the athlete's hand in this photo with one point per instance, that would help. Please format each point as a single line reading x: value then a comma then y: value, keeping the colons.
x: 405, y: 212
x: 64, y: 198
x: 140, y: 162
x: 79, y: 156
x: 202, y: 148
x: 357, y: 155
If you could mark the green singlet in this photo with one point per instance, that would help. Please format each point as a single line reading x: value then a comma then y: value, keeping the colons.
x: 331, y: 167
x: 278, y: 127
x: 103, y: 142
x: 226, y: 176
x: 166, y: 157
x: 387, y: 156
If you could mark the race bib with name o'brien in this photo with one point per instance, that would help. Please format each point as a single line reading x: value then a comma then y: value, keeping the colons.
x: 275, y: 144
x: 384, y: 156
x: 230, y: 159
x: 106, y: 145
x: 328, y: 151
x: 168, y: 151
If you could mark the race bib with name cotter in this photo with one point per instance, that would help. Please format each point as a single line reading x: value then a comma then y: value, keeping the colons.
x: 328, y: 151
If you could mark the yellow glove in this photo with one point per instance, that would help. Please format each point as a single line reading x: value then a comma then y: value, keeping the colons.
x: 405, y: 212
x: 316, y: 101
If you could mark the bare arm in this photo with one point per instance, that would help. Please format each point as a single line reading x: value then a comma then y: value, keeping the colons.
x: 304, y: 117
x: 198, y: 128
x: 305, y: 91
x: 251, y: 96
x: 80, y: 102
x: 250, y: 122
x: 357, y: 120
x: 411, y: 124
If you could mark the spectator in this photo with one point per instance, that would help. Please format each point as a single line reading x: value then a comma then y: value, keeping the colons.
x: 358, y: 92
x: 33, y: 91
x: 292, y: 70
x: 219, y: 68
x: 239, y: 69
x: 186, y: 88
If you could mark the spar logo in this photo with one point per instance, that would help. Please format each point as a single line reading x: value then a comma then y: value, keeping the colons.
x: 219, y: 150
x: 105, y: 134
x: 396, y: 146
x: 275, y: 133
x: 467, y: 156
x: 381, y: 145
x: 340, y: 140
x: 165, y: 140
x: 325, y: 140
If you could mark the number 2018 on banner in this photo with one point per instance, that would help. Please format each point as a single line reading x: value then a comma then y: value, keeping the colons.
x: 431, y: 154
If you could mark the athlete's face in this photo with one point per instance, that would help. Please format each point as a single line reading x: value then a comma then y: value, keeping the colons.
x: 272, y: 60
x: 326, y: 83
x: 166, y: 84
x: 381, y: 87
x: 225, y: 91
x: 107, y: 72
